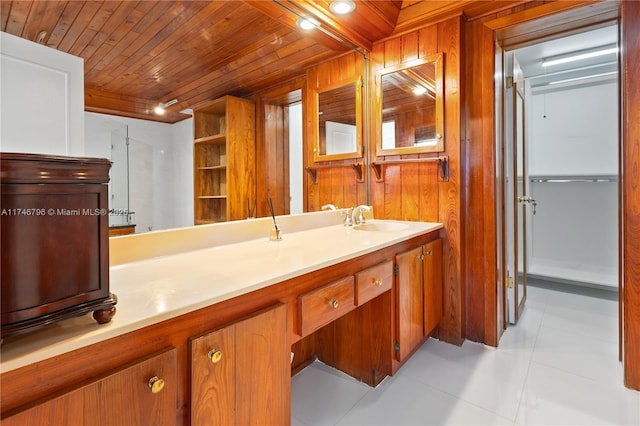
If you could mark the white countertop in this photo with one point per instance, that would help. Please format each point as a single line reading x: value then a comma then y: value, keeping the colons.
x: 155, y: 289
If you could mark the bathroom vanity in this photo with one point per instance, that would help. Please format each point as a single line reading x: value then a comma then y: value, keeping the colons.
x: 212, y: 320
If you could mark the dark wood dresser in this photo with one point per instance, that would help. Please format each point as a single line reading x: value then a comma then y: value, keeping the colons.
x: 54, y: 240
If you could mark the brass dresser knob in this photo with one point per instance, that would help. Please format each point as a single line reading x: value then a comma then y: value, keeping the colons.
x: 215, y: 355
x: 156, y: 384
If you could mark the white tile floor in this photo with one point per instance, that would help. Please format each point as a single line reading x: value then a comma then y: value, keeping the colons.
x: 558, y: 366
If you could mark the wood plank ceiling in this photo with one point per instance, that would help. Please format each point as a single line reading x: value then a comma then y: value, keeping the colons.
x: 141, y: 53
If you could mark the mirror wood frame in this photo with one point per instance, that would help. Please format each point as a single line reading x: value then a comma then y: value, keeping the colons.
x: 314, y: 110
x: 438, y: 60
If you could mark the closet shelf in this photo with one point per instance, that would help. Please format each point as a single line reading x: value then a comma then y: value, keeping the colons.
x: 217, y: 138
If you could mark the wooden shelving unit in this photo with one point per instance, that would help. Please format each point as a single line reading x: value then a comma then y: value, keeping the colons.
x: 224, y: 160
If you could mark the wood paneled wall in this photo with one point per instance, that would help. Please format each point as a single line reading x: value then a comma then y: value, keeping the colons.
x: 272, y: 146
x: 339, y: 185
x: 413, y: 191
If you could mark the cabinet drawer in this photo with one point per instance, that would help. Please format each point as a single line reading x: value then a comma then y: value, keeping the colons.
x: 373, y: 281
x: 323, y: 305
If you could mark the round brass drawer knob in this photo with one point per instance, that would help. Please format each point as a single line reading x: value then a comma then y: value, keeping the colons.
x: 215, y: 355
x: 156, y: 384
x: 333, y: 303
x: 376, y: 281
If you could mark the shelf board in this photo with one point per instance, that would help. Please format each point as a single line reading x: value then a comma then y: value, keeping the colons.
x: 219, y: 138
x: 211, y: 197
x: 208, y: 221
x: 212, y: 168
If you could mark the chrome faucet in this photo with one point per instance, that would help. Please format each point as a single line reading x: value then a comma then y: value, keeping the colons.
x: 328, y: 207
x: 348, y: 216
x: 357, y: 217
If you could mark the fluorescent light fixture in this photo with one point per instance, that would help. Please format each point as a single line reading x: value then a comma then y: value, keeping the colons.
x: 160, y: 109
x: 579, y: 56
x: 307, y: 23
x: 342, y: 7
x: 584, y: 77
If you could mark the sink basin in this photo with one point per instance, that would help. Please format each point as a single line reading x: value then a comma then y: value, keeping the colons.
x: 381, y: 226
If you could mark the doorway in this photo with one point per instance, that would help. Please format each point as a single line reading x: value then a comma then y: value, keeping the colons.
x: 280, y: 162
x: 561, y: 163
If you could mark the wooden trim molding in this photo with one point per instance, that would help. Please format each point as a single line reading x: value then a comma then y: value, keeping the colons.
x: 630, y: 42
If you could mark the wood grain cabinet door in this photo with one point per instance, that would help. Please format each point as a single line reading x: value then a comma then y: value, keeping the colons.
x: 125, y: 397
x: 433, y: 285
x: 142, y: 394
x: 240, y: 374
x: 409, y: 305
x: 66, y: 409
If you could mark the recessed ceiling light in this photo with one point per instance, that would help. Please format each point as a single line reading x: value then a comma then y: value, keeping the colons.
x: 40, y: 37
x: 342, y: 7
x: 307, y: 23
x: 419, y: 90
x: 160, y: 109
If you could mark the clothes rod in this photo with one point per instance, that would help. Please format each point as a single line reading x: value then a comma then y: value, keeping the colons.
x: 573, y: 179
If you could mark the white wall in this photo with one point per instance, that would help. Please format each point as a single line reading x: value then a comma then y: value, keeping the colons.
x: 575, y: 131
x: 182, y: 179
x: 161, y: 167
x: 295, y: 159
x: 41, y: 99
x: 574, y: 234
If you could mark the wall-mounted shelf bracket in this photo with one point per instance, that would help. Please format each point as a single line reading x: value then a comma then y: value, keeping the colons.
x: 358, y: 168
x: 443, y: 166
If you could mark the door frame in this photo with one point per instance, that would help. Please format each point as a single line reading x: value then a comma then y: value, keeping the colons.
x: 607, y: 20
x: 546, y: 20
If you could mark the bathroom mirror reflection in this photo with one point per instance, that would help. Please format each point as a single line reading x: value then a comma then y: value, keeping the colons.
x: 412, y: 113
x: 339, y: 123
x: 120, y: 213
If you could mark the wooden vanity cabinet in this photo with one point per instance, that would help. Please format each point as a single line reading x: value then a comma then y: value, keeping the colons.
x: 240, y: 373
x: 419, y: 296
x: 433, y: 285
x: 232, y: 360
x: 151, y: 383
x: 409, y: 302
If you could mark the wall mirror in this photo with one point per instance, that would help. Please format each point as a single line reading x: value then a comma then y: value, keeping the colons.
x: 339, y: 124
x: 412, y: 108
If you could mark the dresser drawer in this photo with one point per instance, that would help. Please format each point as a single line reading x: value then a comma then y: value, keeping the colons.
x: 325, y: 304
x: 373, y: 281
